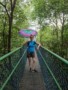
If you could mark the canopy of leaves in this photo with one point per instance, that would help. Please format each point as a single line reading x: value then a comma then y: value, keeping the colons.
x: 53, y: 34
x: 19, y: 22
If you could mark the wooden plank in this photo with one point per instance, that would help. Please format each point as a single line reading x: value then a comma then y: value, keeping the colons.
x: 32, y: 80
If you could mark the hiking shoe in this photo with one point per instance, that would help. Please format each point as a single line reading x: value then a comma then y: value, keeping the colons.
x: 34, y: 70
x: 30, y: 70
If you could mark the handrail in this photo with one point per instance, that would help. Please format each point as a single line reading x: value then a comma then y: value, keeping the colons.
x: 3, y: 86
x: 59, y: 57
x: 59, y: 87
x: 8, y: 54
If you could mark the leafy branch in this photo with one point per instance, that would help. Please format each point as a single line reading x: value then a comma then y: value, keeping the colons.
x: 5, y: 8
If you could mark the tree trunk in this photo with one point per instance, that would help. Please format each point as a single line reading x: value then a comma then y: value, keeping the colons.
x: 10, y: 24
x: 56, y: 29
x: 62, y: 32
x: 56, y: 22
x: 4, y: 24
x: 9, y: 34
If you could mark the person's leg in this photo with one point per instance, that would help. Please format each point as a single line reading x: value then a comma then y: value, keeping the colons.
x: 34, y: 62
x: 29, y: 61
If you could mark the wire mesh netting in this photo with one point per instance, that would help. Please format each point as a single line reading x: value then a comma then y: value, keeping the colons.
x: 48, y: 80
x: 59, y: 69
x: 6, y: 69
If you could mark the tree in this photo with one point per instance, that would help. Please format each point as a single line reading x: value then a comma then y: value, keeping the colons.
x: 9, y: 9
x: 56, y: 11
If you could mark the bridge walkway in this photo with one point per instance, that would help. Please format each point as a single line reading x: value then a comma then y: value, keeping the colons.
x: 32, y: 80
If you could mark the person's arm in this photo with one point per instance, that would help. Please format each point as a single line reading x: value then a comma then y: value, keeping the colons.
x: 38, y: 45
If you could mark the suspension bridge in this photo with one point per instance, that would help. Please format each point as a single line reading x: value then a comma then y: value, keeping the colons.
x: 52, y: 71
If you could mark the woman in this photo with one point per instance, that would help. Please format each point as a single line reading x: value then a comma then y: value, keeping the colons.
x: 31, y: 52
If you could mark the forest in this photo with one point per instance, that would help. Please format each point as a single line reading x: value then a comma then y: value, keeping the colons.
x: 52, y: 19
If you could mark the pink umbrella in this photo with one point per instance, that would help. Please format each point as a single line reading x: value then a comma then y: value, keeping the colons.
x: 27, y: 32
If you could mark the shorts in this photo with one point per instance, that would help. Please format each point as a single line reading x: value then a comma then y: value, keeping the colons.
x: 30, y: 54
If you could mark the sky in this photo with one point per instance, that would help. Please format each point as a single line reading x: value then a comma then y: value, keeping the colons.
x: 34, y: 25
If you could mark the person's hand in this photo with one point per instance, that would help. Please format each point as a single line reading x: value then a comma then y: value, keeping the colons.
x: 38, y: 45
x: 37, y: 48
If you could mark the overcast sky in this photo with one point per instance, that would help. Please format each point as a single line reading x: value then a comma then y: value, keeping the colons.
x: 34, y: 25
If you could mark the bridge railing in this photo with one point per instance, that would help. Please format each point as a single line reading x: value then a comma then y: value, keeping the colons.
x: 11, y: 69
x: 54, y: 69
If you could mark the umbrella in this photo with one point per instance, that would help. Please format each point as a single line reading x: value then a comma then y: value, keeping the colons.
x: 27, y: 32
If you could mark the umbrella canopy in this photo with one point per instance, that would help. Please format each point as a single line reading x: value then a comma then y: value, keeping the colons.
x: 27, y: 32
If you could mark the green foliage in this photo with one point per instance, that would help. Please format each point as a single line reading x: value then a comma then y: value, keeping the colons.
x: 19, y: 22
x: 55, y: 35
x: 52, y: 34
x: 48, y: 39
